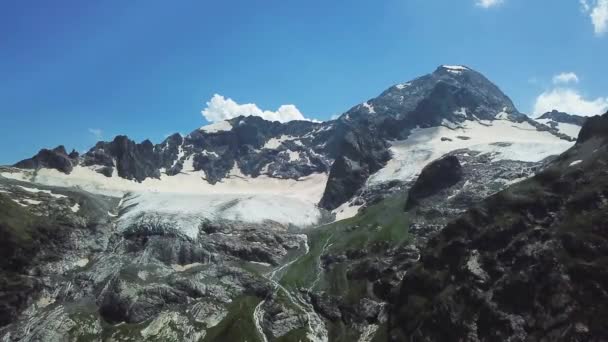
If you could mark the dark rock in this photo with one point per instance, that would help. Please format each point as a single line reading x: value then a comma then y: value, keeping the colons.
x: 360, y: 154
x: 56, y: 158
x: 596, y: 126
x: 438, y: 175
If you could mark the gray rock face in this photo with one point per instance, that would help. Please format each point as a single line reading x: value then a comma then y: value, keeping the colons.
x: 596, y: 127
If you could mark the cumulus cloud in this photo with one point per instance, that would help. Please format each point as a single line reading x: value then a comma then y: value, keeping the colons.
x: 598, y: 12
x: 565, y: 78
x: 570, y: 101
x: 220, y: 108
x: 488, y: 3
x: 97, y: 133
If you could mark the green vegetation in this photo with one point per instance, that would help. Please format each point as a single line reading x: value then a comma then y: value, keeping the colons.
x: 382, y: 222
x: 239, y: 324
x: 17, y: 225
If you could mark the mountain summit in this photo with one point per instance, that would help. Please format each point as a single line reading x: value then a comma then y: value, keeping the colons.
x: 454, y: 93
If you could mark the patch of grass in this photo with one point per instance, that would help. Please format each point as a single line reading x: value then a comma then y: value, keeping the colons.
x: 238, y: 325
x: 16, y: 221
x: 385, y: 221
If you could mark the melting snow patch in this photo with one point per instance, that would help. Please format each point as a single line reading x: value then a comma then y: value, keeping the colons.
x: 75, y: 208
x: 293, y: 155
x: 182, y: 268
x: 455, y: 67
x: 274, y: 143
x: 461, y: 112
x: 48, y: 192
x: 502, y: 116
x: 217, y: 127
x: 369, y: 108
x: 346, y: 210
x: 474, y: 266
x: 180, y: 154
x: 81, y: 262
x: 569, y: 129
x: 576, y: 162
x: 402, y: 85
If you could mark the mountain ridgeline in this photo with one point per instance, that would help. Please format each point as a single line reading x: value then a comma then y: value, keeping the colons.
x: 349, y: 149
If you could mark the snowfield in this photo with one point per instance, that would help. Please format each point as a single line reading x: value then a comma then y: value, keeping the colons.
x: 502, y: 139
x: 217, y: 127
x: 184, y: 200
x: 564, y: 128
x: 186, y: 212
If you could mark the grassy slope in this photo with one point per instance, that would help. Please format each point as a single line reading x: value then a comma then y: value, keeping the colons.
x: 384, y: 221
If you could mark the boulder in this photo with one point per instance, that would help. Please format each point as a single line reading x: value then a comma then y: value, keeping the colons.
x: 438, y: 175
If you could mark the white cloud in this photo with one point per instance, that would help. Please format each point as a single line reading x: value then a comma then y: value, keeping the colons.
x: 570, y: 101
x: 97, y: 133
x: 220, y: 108
x: 488, y: 3
x: 565, y: 78
x: 598, y: 12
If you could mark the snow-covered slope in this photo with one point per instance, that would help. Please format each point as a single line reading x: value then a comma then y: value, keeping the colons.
x: 568, y: 129
x: 188, y: 199
x: 186, y: 212
x: 501, y: 139
x: 564, y: 123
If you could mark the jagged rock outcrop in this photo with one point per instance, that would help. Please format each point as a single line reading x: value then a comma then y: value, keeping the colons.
x: 595, y: 127
x: 439, y: 174
x: 527, y: 264
x: 132, y: 160
x: 56, y: 158
x: 360, y: 154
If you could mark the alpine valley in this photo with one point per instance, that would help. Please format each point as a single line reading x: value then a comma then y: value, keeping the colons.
x: 435, y: 211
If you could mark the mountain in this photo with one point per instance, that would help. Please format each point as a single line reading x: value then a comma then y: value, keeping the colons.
x: 248, y: 229
x: 525, y: 264
x: 347, y: 155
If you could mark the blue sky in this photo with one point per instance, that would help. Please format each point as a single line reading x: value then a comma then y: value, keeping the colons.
x: 75, y: 71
